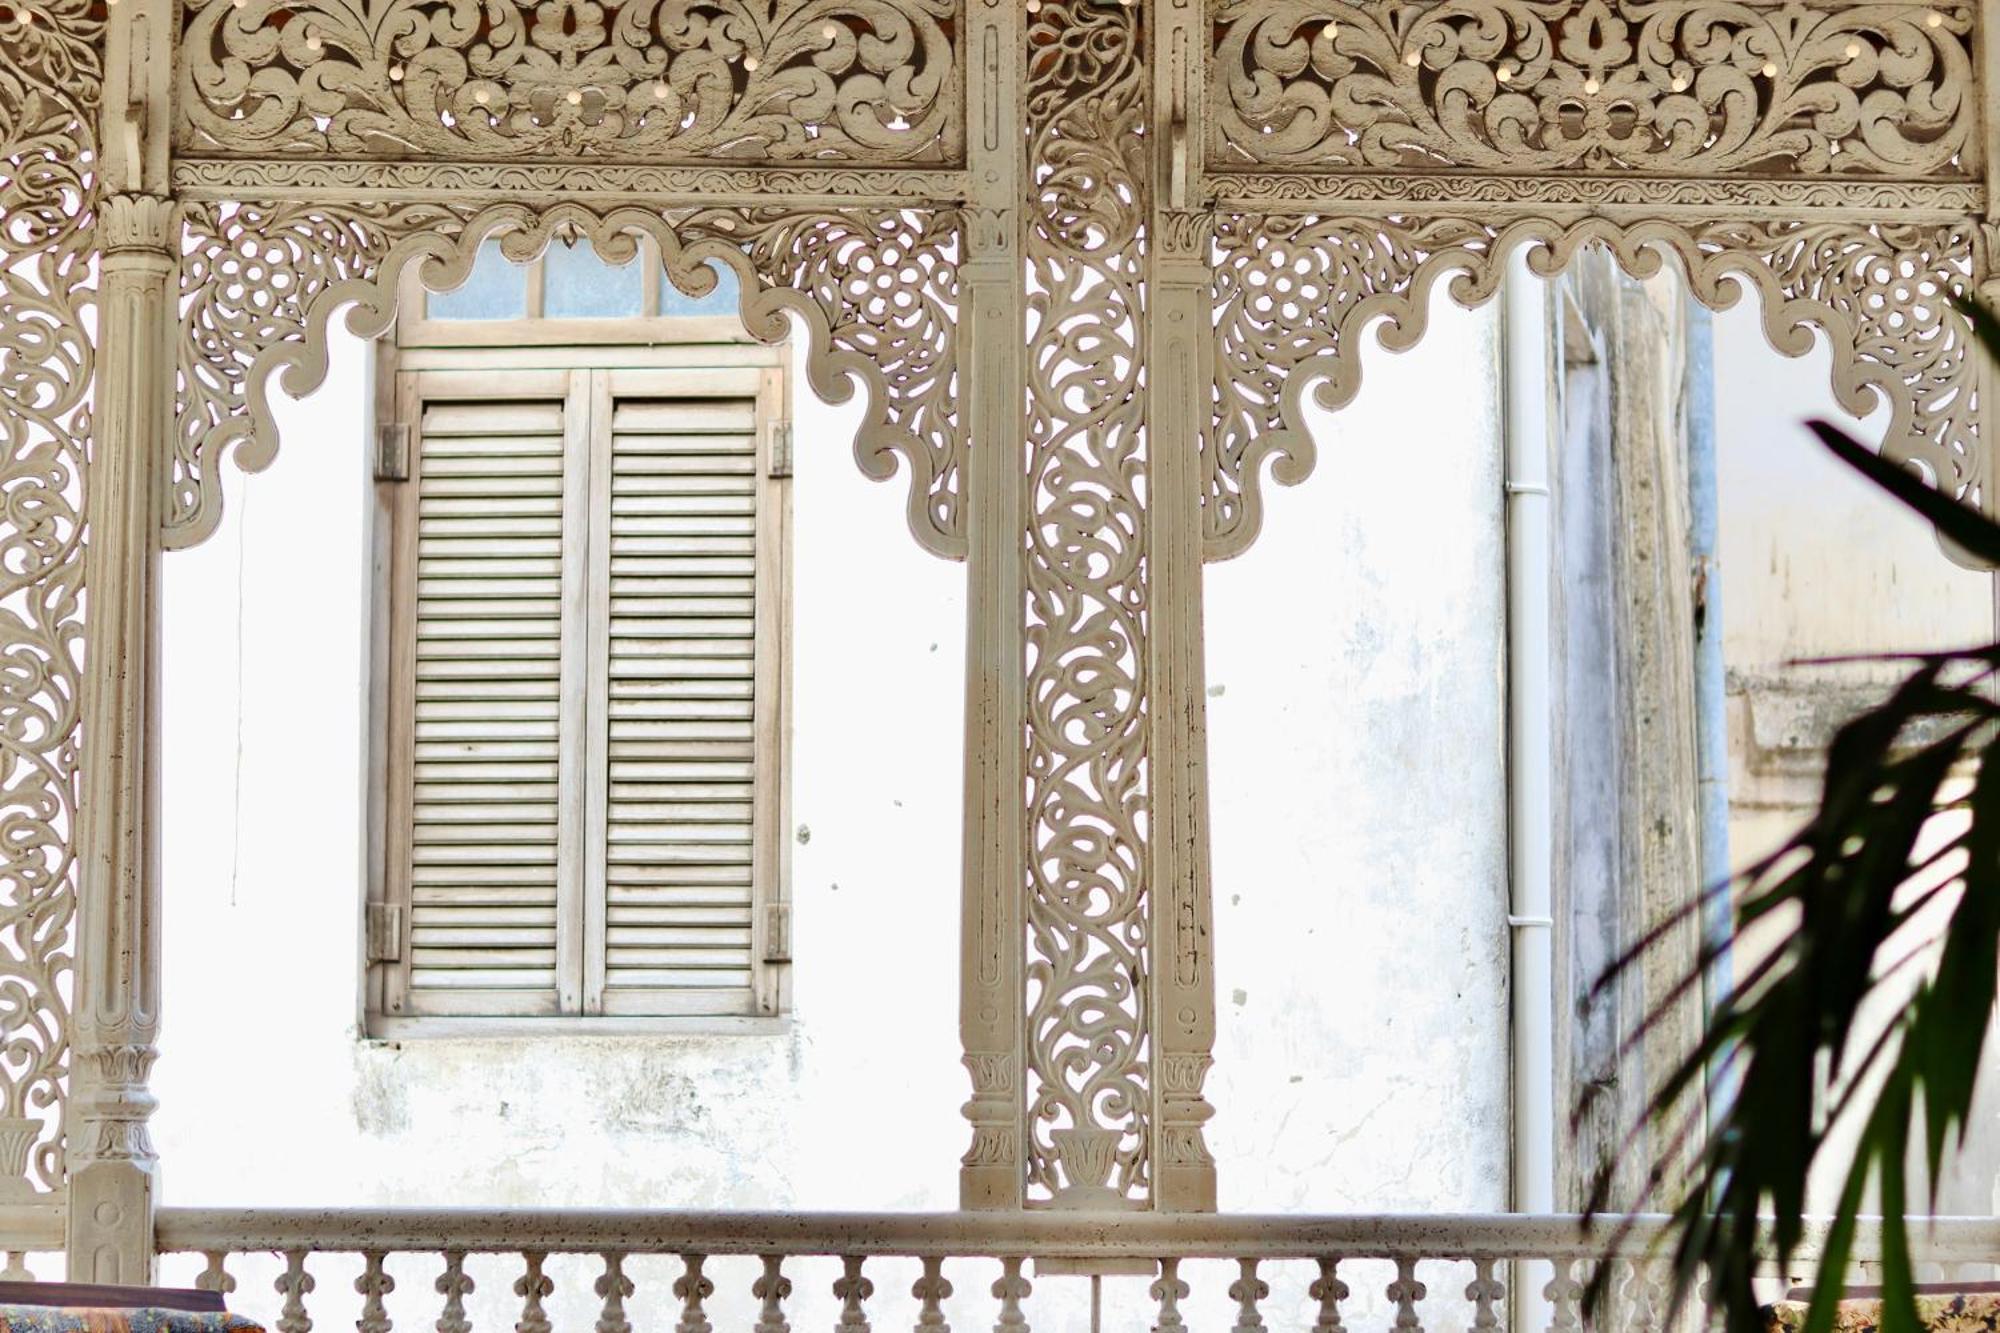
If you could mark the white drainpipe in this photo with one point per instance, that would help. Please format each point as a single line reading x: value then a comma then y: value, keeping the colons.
x: 1526, y: 390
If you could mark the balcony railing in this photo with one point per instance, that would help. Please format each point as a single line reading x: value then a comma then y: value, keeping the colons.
x: 608, y: 1271
x: 599, y: 1271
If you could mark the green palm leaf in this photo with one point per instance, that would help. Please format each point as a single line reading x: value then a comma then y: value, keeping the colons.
x: 1864, y: 883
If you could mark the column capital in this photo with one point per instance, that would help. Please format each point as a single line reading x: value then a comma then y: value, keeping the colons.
x: 142, y: 222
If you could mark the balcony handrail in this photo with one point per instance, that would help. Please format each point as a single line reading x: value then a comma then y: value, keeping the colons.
x: 1026, y: 1234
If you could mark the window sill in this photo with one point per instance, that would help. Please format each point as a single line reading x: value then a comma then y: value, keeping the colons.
x: 570, y: 1028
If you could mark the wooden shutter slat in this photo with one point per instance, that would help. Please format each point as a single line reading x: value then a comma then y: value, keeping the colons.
x: 486, y: 618
x: 680, y: 557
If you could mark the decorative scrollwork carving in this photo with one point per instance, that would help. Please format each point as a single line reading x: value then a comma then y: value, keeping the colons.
x: 651, y: 80
x: 259, y: 285
x: 1681, y: 87
x: 50, y: 88
x: 880, y: 292
x: 1089, y: 1098
x: 250, y: 276
x: 1294, y: 292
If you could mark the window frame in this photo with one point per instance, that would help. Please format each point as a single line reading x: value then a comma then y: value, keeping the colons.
x: 525, y: 358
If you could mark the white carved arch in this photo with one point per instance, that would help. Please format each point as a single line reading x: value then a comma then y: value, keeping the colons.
x: 261, y: 285
x: 1877, y: 291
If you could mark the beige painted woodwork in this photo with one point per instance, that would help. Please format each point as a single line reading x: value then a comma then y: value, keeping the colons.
x: 582, y: 739
x: 1083, y: 259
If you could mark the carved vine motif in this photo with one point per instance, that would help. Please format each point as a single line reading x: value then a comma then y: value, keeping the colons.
x: 249, y: 277
x: 1294, y: 293
x: 1088, y: 1083
x: 50, y: 82
x: 885, y: 288
x: 259, y: 286
x: 1683, y: 87
x: 647, y: 80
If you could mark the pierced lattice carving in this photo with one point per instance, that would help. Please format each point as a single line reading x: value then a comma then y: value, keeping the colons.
x: 1088, y: 1085
x: 50, y: 85
x: 1684, y: 87
x: 260, y: 284
x: 1294, y: 294
x: 652, y: 80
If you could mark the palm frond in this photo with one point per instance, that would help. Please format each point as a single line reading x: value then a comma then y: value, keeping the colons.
x: 1884, y: 902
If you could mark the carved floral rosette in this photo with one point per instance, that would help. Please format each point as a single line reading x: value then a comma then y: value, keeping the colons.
x: 50, y: 83
x: 260, y: 285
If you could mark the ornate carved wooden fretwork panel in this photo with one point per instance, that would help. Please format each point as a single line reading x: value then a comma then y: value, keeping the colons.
x: 1089, y: 955
x: 654, y: 81
x: 1161, y: 225
x: 1662, y: 87
x: 1833, y: 159
x: 50, y: 79
x: 260, y: 285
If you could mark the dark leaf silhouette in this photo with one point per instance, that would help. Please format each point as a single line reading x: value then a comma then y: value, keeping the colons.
x: 1879, y: 901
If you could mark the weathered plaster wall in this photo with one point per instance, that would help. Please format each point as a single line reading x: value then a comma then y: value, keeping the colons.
x: 1361, y: 943
x: 1357, y: 759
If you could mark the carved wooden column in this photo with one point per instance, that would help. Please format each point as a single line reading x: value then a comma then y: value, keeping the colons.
x: 991, y: 1005
x: 1178, y: 333
x: 117, y: 1000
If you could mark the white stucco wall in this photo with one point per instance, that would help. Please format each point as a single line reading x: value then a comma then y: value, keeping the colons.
x: 1361, y: 953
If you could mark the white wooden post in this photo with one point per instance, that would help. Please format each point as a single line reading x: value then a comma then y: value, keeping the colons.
x: 117, y: 1003
x: 991, y: 996
x: 1178, y: 337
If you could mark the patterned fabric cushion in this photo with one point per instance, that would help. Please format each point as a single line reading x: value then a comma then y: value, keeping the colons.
x: 49, y: 1319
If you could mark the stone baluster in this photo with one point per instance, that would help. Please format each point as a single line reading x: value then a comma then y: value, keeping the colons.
x: 1329, y: 1291
x: 1643, y: 1296
x: 1011, y: 1289
x: 771, y: 1288
x: 294, y: 1284
x: 1246, y: 1291
x: 454, y: 1284
x: 614, y: 1287
x: 932, y: 1289
x: 1169, y: 1291
x: 216, y: 1276
x: 1565, y: 1295
x: 373, y: 1284
x: 532, y: 1287
x: 1485, y: 1291
x: 693, y: 1288
x: 1405, y: 1292
x: 851, y: 1289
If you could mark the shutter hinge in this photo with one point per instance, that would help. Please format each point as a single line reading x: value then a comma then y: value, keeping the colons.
x: 778, y: 933
x: 385, y: 932
x: 780, y: 451
x: 392, y: 452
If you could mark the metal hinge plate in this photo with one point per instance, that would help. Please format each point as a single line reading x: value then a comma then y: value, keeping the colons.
x: 392, y: 452
x: 780, y: 451
x: 778, y: 933
x: 385, y: 932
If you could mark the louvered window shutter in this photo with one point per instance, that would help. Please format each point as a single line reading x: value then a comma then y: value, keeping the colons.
x: 675, y: 554
x: 588, y: 649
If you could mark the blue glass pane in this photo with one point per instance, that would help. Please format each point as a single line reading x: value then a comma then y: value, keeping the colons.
x: 496, y: 290
x: 579, y: 285
x: 721, y: 301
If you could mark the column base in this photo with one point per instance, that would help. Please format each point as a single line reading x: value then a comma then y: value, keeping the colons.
x: 111, y: 1224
